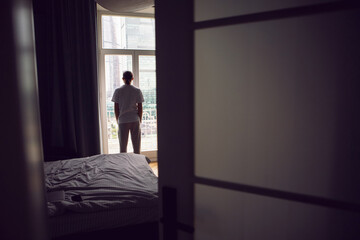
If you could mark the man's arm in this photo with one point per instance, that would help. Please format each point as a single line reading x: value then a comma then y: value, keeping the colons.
x: 140, y: 111
x: 116, y: 108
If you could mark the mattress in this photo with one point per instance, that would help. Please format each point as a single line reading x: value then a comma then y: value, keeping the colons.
x: 100, y: 192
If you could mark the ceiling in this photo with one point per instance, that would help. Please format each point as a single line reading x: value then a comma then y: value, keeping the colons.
x: 149, y: 10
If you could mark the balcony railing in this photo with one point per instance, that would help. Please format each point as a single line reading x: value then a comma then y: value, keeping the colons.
x: 148, y: 131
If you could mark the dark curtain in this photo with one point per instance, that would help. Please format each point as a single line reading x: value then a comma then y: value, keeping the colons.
x: 65, y: 34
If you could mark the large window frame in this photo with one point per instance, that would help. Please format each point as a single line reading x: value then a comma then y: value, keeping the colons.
x: 101, y: 75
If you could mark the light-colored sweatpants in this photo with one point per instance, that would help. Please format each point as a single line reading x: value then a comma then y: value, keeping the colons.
x: 123, y: 134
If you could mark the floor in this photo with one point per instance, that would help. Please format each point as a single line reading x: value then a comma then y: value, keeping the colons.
x: 154, y: 167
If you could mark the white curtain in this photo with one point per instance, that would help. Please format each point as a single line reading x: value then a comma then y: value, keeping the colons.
x: 125, y: 5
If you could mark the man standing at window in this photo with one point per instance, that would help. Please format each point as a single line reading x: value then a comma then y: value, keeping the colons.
x: 128, y: 112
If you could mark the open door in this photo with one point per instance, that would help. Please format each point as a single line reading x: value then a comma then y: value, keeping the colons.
x: 23, y: 214
x: 258, y: 119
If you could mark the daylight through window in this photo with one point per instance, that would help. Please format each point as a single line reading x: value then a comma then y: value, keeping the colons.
x: 128, y: 43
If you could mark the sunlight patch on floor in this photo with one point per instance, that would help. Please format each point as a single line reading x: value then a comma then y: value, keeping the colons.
x: 154, y: 167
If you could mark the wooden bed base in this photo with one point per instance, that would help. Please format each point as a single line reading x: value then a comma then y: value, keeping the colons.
x: 148, y: 231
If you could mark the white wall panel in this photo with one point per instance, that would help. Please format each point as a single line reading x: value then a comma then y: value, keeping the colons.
x: 230, y: 215
x: 276, y: 104
x: 214, y: 9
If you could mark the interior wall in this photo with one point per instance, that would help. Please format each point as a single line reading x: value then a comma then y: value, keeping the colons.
x: 174, y: 75
x: 21, y: 174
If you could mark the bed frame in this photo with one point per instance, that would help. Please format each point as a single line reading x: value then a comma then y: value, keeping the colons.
x: 144, y: 231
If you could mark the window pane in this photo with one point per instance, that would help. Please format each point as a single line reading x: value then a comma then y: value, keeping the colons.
x: 128, y: 33
x: 115, y: 65
x: 147, y: 84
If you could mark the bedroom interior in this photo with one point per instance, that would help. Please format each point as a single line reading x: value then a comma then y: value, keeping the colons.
x: 66, y: 35
x: 65, y: 43
x: 267, y: 139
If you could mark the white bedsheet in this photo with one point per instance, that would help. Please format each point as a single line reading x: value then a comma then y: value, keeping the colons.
x: 106, y: 181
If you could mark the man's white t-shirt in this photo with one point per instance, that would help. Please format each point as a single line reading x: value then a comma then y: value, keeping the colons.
x: 127, y: 96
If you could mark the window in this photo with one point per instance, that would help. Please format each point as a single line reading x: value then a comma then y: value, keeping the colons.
x: 127, y: 43
x: 128, y: 33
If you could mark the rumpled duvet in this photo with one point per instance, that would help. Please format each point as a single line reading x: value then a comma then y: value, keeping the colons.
x: 101, y: 182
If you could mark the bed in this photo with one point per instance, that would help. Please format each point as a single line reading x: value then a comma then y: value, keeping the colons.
x: 103, y: 196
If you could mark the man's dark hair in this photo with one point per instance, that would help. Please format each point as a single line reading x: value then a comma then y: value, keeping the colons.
x: 127, y: 76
